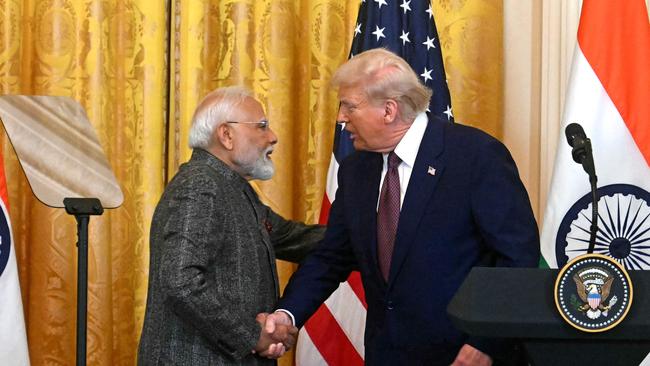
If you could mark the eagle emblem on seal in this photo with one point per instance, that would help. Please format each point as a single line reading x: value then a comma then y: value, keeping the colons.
x: 593, y: 285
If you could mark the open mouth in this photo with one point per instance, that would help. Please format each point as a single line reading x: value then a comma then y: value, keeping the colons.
x: 268, y: 154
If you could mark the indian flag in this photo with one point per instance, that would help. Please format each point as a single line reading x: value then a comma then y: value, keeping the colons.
x: 13, y: 339
x: 609, y: 95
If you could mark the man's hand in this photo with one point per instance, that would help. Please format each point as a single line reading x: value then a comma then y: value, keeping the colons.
x: 470, y: 356
x: 275, y: 343
x: 275, y: 319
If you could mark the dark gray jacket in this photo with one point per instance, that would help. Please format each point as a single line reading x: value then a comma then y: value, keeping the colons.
x: 212, y: 267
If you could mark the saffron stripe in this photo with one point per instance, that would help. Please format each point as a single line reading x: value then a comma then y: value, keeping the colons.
x: 615, y: 40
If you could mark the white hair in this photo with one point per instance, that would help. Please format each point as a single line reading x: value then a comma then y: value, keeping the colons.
x: 213, y: 110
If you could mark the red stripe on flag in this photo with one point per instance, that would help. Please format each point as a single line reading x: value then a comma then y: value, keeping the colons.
x: 330, y: 340
x: 615, y: 39
x: 3, y: 183
x: 357, y: 286
x: 324, y: 210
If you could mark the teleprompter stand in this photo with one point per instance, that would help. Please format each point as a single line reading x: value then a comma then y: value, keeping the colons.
x: 82, y: 208
x: 65, y: 165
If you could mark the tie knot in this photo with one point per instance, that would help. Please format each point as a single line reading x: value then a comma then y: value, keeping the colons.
x: 393, y: 160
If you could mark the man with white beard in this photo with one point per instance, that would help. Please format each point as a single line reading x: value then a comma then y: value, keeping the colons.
x: 213, y: 245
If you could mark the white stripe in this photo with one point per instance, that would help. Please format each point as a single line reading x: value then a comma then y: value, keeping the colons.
x: 306, y: 352
x: 350, y: 315
x: 646, y: 361
x: 332, y: 183
x: 349, y: 312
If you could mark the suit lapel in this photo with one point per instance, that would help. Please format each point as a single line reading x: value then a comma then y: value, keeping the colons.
x: 427, y: 170
x: 266, y: 240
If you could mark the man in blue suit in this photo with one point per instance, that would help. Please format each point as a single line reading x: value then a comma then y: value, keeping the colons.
x: 419, y: 204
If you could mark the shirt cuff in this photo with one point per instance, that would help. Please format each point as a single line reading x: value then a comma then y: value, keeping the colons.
x: 293, y: 320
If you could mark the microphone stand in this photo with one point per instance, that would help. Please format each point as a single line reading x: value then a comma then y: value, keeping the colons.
x: 589, y: 167
x: 593, y: 229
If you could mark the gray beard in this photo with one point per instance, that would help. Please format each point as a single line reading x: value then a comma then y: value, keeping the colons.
x: 261, y: 168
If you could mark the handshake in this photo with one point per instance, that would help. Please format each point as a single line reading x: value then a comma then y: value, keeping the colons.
x: 277, y: 335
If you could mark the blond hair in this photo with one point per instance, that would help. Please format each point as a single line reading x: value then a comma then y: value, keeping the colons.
x: 384, y: 75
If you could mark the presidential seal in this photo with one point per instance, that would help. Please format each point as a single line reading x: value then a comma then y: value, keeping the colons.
x: 593, y: 293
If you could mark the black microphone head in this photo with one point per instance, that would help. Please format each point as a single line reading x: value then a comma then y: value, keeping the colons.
x: 574, y: 131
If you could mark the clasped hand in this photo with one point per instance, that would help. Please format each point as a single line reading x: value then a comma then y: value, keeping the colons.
x: 274, y: 339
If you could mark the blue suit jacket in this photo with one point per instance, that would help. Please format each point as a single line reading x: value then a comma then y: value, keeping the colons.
x: 473, y: 211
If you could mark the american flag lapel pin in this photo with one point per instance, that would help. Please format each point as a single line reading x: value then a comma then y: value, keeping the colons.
x: 431, y: 170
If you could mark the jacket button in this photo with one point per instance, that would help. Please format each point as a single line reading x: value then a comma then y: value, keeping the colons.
x: 390, y: 305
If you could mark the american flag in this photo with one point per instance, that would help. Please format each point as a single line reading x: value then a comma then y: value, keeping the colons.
x: 334, y: 334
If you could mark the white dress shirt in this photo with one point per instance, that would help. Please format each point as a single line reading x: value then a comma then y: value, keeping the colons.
x: 407, y: 151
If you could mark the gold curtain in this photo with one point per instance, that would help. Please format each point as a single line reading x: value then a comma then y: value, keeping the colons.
x: 109, y: 56
x: 471, y: 33
x: 113, y: 57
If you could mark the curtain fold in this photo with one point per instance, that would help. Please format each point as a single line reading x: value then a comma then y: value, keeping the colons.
x: 110, y: 57
x: 139, y: 68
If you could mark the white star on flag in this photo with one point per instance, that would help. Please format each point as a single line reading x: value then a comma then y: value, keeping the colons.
x: 429, y: 43
x: 430, y: 11
x: 426, y: 75
x: 381, y: 2
x: 405, y: 37
x: 448, y: 113
x: 357, y: 29
x: 406, y: 5
x: 379, y: 32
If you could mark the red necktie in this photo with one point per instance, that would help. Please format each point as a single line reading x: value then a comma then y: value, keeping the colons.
x: 388, y: 215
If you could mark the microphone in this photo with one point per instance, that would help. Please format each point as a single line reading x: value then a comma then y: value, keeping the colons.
x: 582, y: 154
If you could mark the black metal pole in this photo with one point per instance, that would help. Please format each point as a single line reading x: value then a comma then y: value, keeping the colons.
x: 593, y: 229
x: 82, y: 287
x: 82, y: 208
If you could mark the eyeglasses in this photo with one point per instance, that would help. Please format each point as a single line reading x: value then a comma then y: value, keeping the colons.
x: 263, y: 124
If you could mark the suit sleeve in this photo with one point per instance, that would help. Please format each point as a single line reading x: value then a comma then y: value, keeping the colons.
x: 501, y: 208
x: 503, y: 214
x: 292, y: 240
x: 190, y: 290
x: 323, y: 269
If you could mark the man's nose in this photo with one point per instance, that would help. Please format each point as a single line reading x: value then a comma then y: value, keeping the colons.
x: 341, y: 116
x: 273, y: 138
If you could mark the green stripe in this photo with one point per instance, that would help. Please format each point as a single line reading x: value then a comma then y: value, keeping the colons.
x: 542, y: 262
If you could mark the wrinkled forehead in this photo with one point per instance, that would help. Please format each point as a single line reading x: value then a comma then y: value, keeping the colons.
x: 249, y: 109
x: 351, y: 92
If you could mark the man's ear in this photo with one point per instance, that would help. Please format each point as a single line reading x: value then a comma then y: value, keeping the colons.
x: 390, y: 110
x: 223, y: 134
